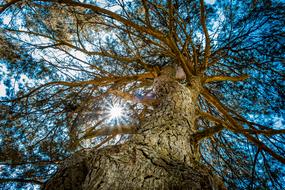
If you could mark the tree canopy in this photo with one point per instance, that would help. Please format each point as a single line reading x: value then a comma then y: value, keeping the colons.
x: 67, y: 65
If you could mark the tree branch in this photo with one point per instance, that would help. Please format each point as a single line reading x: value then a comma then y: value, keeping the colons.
x: 145, y: 100
x: 106, y: 131
x: 146, y: 9
x: 206, y: 133
x: 8, y: 180
x: 237, y: 127
x: 249, y: 131
x: 114, y: 16
x: 224, y: 78
x: 170, y: 15
x: 205, y: 30
x: 104, y: 141
x: 98, y: 82
x: 7, y: 5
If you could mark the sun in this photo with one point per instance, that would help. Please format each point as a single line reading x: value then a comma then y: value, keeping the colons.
x: 115, y: 112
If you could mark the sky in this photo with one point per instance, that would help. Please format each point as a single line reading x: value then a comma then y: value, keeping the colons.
x: 2, y: 87
x: 211, y: 2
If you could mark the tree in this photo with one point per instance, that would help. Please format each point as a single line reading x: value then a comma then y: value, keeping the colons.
x: 82, y: 58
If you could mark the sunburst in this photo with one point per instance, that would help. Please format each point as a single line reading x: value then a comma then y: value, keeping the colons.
x: 115, y: 111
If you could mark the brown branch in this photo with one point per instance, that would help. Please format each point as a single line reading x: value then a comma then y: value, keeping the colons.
x: 265, y: 130
x: 102, y: 53
x: 200, y: 135
x: 268, y: 132
x: 132, y: 98
x: 217, y: 56
x: 104, y: 12
x: 210, y: 131
x: 249, y: 131
x: 184, y: 63
x: 8, y: 180
x: 237, y: 127
x: 114, y: 16
x: 207, y: 50
x: 212, y: 118
x: 144, y: 2
x: 104, y: 141
x: 7, y: 5
x: 224, y: 78
x: 253, y: 168
x: 98, y: 82
x: 39, y: 163
x: 170, y: 15
x: 91, y: 130
x: 106, y: 131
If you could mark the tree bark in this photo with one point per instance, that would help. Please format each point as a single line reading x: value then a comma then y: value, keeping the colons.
x: 160, y: 156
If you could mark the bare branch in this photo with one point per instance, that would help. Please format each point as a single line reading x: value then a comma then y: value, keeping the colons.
x: 170, y: 15
x: 114, y: 16
x: 249, y: 131
x: 206, y: 133
x: 146, y: 9
x: 106, y: 131
x: 238, y: 127
x: 145, y: 100
x: 7, y: 5
x: 224, y: 78
x: 207, y: 49
x: 8, y: 180
x: 104, y: 141
x: 98, y: 82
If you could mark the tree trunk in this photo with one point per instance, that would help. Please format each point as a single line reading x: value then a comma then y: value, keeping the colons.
x: 160, y: 156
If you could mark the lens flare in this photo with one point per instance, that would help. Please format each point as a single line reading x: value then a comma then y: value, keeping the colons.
x: 116, y: 112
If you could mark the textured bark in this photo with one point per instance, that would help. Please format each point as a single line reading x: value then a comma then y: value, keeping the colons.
x: 160, y: 156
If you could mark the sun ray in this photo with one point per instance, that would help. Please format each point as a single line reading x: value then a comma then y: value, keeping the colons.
x: 115, y: 112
